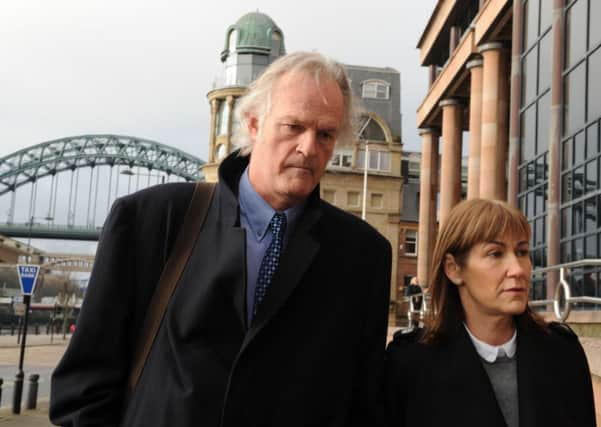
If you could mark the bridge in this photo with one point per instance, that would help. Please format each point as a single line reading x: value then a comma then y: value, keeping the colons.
x: 63, y: 189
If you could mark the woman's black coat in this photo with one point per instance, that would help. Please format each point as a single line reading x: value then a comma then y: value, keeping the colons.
x: 445, y: 384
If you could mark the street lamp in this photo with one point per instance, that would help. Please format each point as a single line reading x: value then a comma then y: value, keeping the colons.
x: 30, y: 224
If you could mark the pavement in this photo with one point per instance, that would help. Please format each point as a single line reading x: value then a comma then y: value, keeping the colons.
x: 41, y: 356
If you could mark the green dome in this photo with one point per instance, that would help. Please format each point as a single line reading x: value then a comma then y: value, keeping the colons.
x: 255, y: 33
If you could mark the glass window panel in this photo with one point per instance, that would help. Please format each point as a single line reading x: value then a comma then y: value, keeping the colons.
x: 594, y: 85
x: 544, y: 76
x: 594, y: 27
x: 361, y: 159
x: 599, y: 211
x: 566, y: 221
x: 590, y: 214
x: 566, y: 252
x: 592, y: 138
x: 578, y: 182
x: 531, y: 174
x: 566, y: 187
x: 530, y: 22
x: 546, y: 15
x: 528, y: 130
x: 567, y: 155
x: 347, y: 160
x: 574, y: 95
x: 579, y: 148
x: 591, y: 176
x: 373, y: 159
x: 545, y: 196
x: 579, y: 248
x: 576, y: 19
x: 544, y: 111
x: 578, y: 217
x: 539, y: 196
x: 539, y: 226
x: 530, y: 207
x: 540, y: 170
x: 529, y: 77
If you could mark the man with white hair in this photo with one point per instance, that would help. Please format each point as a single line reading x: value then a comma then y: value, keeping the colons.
x: 279, y: 317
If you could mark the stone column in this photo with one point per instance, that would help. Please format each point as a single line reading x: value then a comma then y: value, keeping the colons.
x: 473, y: 167
x: 428, y: 189
x: 230, y: 115
x: 554, y: 200
x: 214, y: 110
x: 432, y: 74
x: 454, y: 36
x: 495, y: 95
x: 514, y: 105
x: 450, y: 168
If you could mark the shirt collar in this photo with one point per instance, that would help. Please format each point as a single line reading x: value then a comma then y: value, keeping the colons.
x: 258, y: 212
x: 490, y: 353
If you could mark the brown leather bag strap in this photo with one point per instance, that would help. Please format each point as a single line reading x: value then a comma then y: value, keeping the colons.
x: 182, y: 248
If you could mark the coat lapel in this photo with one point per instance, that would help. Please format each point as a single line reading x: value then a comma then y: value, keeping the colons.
x: 296, y: 259
x: 463, y: 373
x: 530, y: 370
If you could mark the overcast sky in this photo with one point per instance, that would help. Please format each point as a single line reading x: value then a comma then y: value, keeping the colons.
x: 143, y: 67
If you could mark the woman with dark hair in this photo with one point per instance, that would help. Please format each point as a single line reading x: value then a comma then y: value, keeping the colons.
x: 483, y: 358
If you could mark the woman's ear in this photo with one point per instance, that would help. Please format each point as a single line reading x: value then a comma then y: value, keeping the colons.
x: 452, y: 270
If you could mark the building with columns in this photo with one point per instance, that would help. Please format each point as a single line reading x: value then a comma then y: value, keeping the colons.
x: 251, y: 44
x: 520, y: 79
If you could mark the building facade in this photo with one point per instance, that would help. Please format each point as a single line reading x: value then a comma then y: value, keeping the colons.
x: 363, y: 178
x: 521, y: 78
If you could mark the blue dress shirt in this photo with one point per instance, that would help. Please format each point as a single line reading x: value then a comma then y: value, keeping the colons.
x: 255, y: 215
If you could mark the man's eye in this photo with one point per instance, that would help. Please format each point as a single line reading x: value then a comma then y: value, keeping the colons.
x: 326, y: 136
x: 292, y: 127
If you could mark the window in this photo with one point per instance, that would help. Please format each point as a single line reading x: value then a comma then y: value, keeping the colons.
x: 377, y: 200
x: 342, y: 159
x: 375, y: 89
x: 378, y: 160
x: 411, y: 242
x: 232, y: 40
x: 224, y: 112
x: 352, y: 198
x: 329, y: 196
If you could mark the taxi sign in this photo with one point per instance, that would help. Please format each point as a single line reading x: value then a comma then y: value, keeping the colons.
x: 27, y: 277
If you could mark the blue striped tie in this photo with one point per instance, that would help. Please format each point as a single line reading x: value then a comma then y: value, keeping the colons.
x: 271, y: 259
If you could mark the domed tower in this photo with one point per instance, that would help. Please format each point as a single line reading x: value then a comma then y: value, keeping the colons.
x: 251, y: 44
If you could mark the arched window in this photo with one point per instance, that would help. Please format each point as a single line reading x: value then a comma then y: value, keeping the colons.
x: 371, y: 130
x: 376, y: 89
x: 224, y: 112
x: 276, y: 43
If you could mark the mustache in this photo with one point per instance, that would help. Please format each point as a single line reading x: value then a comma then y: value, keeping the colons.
x: 301, y: 162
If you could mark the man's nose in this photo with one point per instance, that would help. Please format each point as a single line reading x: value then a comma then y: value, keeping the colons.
x: 307, y: 144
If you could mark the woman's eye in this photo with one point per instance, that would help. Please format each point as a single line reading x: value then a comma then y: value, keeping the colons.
x: 523, y: 252
x: 495, y: 254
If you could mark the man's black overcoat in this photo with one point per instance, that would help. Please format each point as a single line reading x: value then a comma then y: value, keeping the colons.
x: 313, y: 355
x: 445, y: 384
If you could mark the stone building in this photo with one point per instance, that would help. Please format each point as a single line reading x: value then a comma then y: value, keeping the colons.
x: 253, y: 43
x: 521, y: 77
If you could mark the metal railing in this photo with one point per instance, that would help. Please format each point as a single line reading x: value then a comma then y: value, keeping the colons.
x: 563, y: 289
x: 562, y: 292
